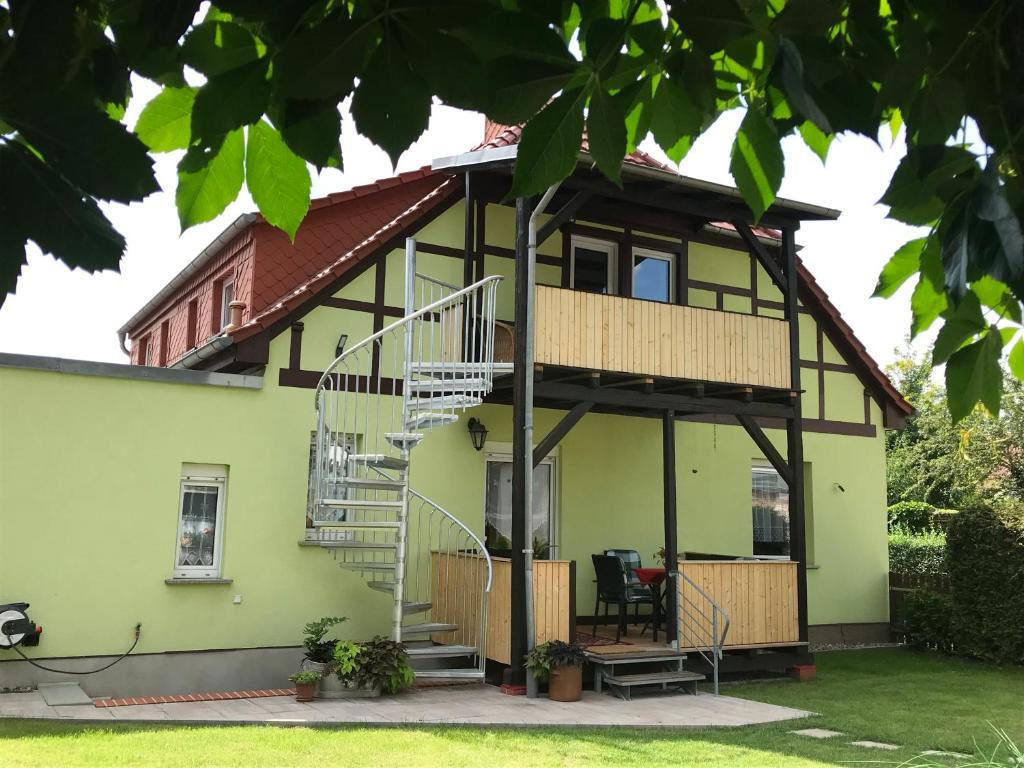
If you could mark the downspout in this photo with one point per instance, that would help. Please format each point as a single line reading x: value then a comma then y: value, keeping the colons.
x: 531, y: 282
x: 122, y: 336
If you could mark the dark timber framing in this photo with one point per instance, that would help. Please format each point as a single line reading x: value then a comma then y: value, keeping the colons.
x: 570, y: 420
x: 668, y: 440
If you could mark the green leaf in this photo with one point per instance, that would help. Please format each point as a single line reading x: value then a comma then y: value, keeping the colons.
x: 816, y: 141
x: 789, y: 67
x: 990, y: 205
x: 209, y: 180
x: 277, y: 178
x: 391, y: 105
x: 929, y: 299
x: 322, y: 62
x: 214, y: 47
x: 1016, y: 359
x: 84, y: 145
x: 963, y: 323
x: 550, y: 144
x: 904, y: 263
x: 639, y: 111
x: 45, y: 208
x: 675, y: 119
x: 12, y: 257
x: 955, y: 252
x: 521, y: 87
x: 229, y: 101
x: 606, y: 134
x: 936, y: 112
x: 973, y: 375
x: 311, y: 130
x: 757, y: 161
x: 166, y: 122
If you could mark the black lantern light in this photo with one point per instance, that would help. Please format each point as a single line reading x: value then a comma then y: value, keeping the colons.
x: 477, y: 433
x: 341, y: 345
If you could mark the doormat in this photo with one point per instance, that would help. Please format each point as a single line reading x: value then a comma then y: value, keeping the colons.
x: 132, y: 701
x: 588, y: 640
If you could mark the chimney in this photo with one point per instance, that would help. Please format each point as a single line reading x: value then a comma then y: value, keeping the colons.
x: 235, y: 318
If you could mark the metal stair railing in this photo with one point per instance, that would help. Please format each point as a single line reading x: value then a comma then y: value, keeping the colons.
x: 703, y: 626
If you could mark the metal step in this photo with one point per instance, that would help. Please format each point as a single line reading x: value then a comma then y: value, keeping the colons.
x: 390, y: 525
x: 404, y: 440
x: 379, y: 460
x: 376, y: 567
x: 359, y: 483
x: 430, y: 420
x: 382, y: 586
x: 652, y: 678
x: 451, y: 371
x: 442, y: 651
x: 361, y: 503
x: 409, y: 609
x: 443, y: 401
x: 428, y: 628
x: 431, y: 386
x: 358, y: 545
x: 449, y: 674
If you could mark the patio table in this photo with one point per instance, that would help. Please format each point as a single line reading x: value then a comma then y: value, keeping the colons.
x: 653, y: 578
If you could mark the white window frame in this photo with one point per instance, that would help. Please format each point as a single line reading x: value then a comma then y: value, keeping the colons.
x: 609, y: 247
x: 225, y: 302
x: 207, y: 475
x: 765, y: 466
x: 649, y: 253
x: 502, y: 452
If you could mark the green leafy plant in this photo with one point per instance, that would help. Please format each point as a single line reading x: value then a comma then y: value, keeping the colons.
x: 912, y: 516
x: 929, y: 621
x: 917, y: 553
x: 305, y: 677
x: 553, y: 654
x: 382, y: 662
x: 318, y: 649
x: 346, y: 659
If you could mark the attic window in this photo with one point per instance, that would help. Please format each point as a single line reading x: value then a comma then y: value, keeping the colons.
x: 145, y: 351
x: 227, y: 295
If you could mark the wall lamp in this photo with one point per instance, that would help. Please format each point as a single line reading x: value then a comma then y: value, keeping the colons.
x: 477, y: 433
x: 838, y: 487
x: 341, y: 345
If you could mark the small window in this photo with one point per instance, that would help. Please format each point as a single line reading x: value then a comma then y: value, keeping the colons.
x: 227, y: 295
x: 165, y: 340
x: 770, y: 503
x: 593, y: 265
x: 200, y: 522
x: 145, y: 351
x: 191, y: 323
x: 653, y: 275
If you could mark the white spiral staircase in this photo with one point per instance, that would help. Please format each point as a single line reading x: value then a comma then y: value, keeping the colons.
x: 374, y: 405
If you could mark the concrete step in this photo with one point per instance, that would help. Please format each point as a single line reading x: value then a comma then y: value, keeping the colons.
x: 449, y: 674
x: 381, y: 460
x: 428, y: 628
x: 442, y: 651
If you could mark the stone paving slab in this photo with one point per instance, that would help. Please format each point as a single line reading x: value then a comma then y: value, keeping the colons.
x: 63, y: 694
x: 481, y: 705
x: 875, y: 745
x: 817, y: 733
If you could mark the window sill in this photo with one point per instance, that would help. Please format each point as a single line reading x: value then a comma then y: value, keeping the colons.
x: 178, y: 580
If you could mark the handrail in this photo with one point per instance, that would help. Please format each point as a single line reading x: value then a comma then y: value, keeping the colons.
x: 719, y: 619
x: 435, y: 281
x: 439, y: 304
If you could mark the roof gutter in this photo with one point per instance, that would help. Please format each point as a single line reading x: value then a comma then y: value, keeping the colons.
x: 194, y: 357
x: 234, y: 229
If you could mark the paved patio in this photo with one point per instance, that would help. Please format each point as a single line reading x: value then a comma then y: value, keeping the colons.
x: 469, y: 704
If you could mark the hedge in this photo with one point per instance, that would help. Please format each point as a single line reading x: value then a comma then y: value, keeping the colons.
x: 984, y: 614
x: 913, y: 516
x: 986, y: 571
x: 923, y: 553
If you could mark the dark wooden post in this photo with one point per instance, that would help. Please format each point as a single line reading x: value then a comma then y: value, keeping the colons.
x: 668, y: 440
x: 795, y: 432
x: 522, y: 468
x: 469, y: 255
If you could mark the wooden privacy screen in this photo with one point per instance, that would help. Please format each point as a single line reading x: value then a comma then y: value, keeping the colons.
x: 759, y: 596
x: 611, y: 333
x: 551, y: 601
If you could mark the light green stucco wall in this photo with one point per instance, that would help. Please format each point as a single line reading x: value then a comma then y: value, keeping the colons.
x: 89, y: 472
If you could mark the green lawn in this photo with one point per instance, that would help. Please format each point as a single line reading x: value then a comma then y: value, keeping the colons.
x: 922, y: 702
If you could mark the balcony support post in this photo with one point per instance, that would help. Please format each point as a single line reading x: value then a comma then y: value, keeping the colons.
x: 794, y: 431
x: 668, y: 446
x: 470, y: 233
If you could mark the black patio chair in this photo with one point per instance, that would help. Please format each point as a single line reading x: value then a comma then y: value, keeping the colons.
x: 630, y: 560
x: 612, y: 588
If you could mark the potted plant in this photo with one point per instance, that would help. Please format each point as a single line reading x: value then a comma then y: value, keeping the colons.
x: 561, y: 665
x: 305, y: 684
x: 370, y: 668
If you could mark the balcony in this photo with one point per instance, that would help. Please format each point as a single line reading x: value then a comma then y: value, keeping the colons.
x: 609, y: 333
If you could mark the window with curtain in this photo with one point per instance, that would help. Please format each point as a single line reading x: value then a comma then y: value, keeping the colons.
x: 200, y: 523
x: 498, y: 509
x: 770, y: 504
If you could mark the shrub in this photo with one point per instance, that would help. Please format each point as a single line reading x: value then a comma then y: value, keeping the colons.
x: 986, y: 569
x: 318, y: 649
x: 375, y: 662
x: 929, y: 621
x: 917, y: 553
x: 912, y: 516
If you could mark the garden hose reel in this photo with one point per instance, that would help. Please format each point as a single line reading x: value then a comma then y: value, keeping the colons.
x: 16, y: 628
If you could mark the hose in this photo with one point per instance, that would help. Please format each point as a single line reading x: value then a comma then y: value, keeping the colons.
x: 138, y: 632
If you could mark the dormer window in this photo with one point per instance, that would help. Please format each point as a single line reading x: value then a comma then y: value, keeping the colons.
x: 145, y: 351
x: 227, y: 295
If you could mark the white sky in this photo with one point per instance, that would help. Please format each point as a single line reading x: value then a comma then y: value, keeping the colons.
x: 72, y: 314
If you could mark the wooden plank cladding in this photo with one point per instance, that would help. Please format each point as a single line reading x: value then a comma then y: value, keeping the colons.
x: 611, y: 333
x: 551, y: 600
x: 760, y: 598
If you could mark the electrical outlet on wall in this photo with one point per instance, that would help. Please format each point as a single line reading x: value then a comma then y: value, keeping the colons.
x: 237, y: 600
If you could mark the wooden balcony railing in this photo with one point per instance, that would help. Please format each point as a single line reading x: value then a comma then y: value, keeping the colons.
x: 759, y: 596
x: 611, y: 333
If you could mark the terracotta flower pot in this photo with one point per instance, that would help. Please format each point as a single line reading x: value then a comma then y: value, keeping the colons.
x: 304, y: 691
x: 566, y: 683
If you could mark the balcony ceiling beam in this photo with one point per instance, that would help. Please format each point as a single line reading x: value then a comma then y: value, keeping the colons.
x: 566, y: 212
x: 561, y: 429
x: 765, y: 445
